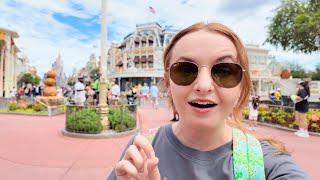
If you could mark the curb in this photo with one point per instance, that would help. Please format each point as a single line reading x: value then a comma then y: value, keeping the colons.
x: 103, y: 135
x: 283, y: 128
x: 25, y: 114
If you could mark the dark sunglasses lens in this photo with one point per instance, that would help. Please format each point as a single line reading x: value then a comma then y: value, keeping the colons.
x: 227, y: 75
x: 183, y: 73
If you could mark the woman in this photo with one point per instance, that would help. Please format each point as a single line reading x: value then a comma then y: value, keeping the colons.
x: 253, y: 113
x: 301, y: 108
x: 206, y: 73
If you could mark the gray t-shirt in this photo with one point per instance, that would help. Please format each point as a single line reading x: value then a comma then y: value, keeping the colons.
x: 177, y: 161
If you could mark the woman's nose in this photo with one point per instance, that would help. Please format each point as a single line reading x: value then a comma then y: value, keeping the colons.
x: 204, y: 81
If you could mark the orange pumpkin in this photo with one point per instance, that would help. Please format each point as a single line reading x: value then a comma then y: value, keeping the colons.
x: 50, y: 82
x: 50, y: 91
x: 51, y: 74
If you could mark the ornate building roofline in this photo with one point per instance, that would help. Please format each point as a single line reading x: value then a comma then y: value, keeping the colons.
x: 14, y: 34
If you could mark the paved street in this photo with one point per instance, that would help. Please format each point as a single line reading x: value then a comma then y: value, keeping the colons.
x: 34, y: 148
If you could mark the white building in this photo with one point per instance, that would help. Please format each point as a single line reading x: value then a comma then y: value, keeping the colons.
x: 8, y: 61
x: 138, y: 59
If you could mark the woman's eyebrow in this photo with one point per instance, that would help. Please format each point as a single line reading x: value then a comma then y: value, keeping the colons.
x: 226, y: 57
x: 186, y: 59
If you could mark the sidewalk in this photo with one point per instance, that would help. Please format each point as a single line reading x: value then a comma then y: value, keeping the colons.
x: 34, y: 148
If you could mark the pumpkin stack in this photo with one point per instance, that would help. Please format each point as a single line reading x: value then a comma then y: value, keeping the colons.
x: 50, y: 84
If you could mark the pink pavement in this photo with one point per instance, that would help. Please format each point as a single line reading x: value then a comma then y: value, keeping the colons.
x: 34, y: 148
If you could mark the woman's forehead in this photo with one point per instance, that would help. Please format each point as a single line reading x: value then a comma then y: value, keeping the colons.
x: 204, y: 45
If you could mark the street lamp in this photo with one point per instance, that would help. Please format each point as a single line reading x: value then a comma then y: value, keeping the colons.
x: 103, y: 108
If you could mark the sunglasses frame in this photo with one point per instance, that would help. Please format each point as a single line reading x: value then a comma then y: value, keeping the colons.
x: 169, y: 70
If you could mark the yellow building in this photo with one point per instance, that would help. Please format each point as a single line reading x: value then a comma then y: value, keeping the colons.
x: 8, y: 61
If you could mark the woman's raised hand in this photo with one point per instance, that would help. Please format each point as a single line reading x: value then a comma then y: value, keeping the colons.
x: 139, y: 161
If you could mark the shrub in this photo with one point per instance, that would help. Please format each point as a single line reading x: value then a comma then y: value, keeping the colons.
x: 38, y: 107
x: 30, y: 106
x: 13, y: 106
x: 121, y: 119
x: 84, y: 121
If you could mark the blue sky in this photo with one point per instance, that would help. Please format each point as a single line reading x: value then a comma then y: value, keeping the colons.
x: 72, y: 27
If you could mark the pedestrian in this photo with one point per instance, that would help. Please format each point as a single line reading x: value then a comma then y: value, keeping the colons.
x: 115, y: 93
x: 154, y: 93
x: 207, y: 76
x: 253, y: 113
x: 13, y: 94
x: 80, y: 94
x: 145, y: 90
x: 301, y: 108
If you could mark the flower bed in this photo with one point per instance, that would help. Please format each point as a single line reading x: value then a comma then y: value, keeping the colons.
x: 285, y: 117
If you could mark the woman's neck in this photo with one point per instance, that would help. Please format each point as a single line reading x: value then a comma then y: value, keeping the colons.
x: 202, y: 139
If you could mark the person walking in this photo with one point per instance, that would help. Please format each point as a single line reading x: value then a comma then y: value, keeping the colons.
x: 253, y: 113
x: 80, y: 94
x: 154, y: 92
x: 301, y: 108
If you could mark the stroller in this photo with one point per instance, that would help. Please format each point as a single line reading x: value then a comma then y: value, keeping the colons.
x: 131, y: 99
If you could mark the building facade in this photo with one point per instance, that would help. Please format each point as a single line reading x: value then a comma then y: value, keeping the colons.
x: 138, y: 59
x: 8, y: 61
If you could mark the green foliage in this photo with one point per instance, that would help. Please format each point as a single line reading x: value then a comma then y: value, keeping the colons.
x: 28, y: 78
x: 296, y: 26
x: 94, y: 73
x: 13, y: 106
x: 84, y: 121
x: 36, y: 80
x: 121, y: 119
x: 38, y: 107
x: 316, y: 75
x: 297, y: 71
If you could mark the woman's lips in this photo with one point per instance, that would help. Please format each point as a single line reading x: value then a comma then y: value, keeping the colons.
x: 201, y: 110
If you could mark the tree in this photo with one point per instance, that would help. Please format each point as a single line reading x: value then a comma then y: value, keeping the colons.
x: 36, y: 80
x: 316, y: 74
x: 296, y: 26
x: 25, y: 78
x: 297, y: 71
x: 94, y: 73
x: 28, y: 78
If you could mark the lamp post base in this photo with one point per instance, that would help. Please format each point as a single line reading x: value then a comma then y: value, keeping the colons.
x: 103, y: 111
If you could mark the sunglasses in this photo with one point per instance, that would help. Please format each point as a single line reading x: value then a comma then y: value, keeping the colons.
x: 226, y: 75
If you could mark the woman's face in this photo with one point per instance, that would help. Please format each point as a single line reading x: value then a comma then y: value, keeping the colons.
x: 204, y: 49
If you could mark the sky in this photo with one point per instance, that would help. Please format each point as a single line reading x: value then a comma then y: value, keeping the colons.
x: 72, y: 27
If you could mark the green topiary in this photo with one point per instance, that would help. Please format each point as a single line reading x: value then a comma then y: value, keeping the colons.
x: 84, y: 121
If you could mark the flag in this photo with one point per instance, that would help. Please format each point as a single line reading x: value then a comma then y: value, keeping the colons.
x: 152, y: 10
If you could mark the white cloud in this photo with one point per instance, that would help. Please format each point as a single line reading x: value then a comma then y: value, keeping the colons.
x: 42, y: 36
